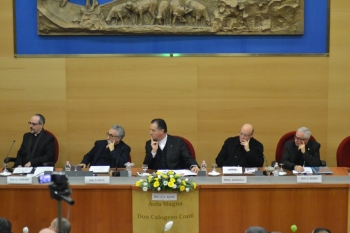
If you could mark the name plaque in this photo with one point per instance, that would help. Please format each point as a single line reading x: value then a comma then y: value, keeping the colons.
x: 232, y: 170
x: 309, y: 179
x: 164, y: 196
x: 97, y: 180
x: 19, y: 180
x: 234, y: 179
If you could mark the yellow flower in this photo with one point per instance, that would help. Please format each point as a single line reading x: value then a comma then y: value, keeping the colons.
x: 158, y: 172
x: 156, y: 179
x: 194, y: 185
x: 171, y: 172
x: 156, y: 184
x: 149, y: 179
x: 164, y: 176
x: 138, y: 183
x: 183, y: 182
x: 172, y: 180
x: 171, y: 184
x: 177, y: 175
x: 182, y: 188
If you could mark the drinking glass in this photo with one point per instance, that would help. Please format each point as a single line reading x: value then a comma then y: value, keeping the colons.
x: 214, y: 165
x: 144, y: 167
x: 268, y: 170
x: 281, y: 164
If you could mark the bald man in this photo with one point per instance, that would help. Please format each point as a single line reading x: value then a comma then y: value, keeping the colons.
x: 242, y: 150
x: 47, y: 230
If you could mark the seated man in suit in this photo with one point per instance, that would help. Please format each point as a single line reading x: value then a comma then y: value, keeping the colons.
x: 37, y: 146
x: 242, y: 150
x: 112, y: 152
x: 164, y: 151
x: 301, y: 152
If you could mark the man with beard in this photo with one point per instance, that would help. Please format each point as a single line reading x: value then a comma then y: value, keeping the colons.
x: 37, y: 146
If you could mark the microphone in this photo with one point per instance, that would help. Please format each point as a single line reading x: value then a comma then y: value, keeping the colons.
x: 266, y: 164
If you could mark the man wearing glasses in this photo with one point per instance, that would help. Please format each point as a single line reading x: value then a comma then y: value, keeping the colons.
x: 242, y: 150
x: 37, y: 146
x: 301, y: 152
x: 112, y: 152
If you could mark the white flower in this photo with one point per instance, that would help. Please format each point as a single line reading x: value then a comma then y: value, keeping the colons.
x: 144, y: 189
x: 141, y: 180
x: 186, y: 179
x: 174, y: 186
x: 158, y: 188
x: 171, y: 176
x: 178, y: 180
x: 165, y: 182
x: 187, y: 189
x: 159, y: 176
x: 168, y: 226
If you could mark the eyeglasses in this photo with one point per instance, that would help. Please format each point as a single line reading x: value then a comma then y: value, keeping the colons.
x: 300, y: 139
x: 244, y: 135
x: 111, y: 135
x: 34, y: 124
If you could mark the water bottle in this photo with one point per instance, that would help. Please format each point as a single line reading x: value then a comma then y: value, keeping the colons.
x: 277, y: 169
x: 67, y: 167
x: 204, y: 166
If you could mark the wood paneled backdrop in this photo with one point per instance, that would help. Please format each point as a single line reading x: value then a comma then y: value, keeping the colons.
x: 205, y: 99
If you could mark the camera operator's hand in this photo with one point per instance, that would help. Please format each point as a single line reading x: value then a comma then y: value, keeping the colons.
x: 82, y: 165
x: 28, y: 164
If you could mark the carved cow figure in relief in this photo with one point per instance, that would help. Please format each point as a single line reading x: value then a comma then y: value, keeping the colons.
x: 178, y: 11
x: 141, y: 7
x: 198, y: 11
x: 163, y: 12
x: 87, y: 4
x: 118, y: 12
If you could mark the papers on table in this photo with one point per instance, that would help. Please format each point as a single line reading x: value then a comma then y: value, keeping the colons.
x: 307, y: 170
x: 232, y: 170
x: 21, y: 170
x: 182, y: 172
x: 250, y: 170
x: 99, y: 169
x: 41, y: 170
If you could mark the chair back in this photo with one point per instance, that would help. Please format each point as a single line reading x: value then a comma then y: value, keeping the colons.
x: 57, y: 148
x: 343, y: 153
x: 280, y: 146
x: 189, y: 146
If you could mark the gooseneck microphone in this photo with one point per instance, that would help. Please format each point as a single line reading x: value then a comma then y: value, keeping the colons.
x: 7, y: 156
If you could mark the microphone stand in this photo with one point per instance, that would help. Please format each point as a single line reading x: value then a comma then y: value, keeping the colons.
x: 6, y: 171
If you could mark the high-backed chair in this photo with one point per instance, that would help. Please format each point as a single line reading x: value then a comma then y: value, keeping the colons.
x: 280, y: 147
x: 189, y: 146
x: 343, y: 153
x: 57, y: 150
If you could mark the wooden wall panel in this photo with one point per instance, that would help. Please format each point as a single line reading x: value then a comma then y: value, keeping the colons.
x: 6, y: 35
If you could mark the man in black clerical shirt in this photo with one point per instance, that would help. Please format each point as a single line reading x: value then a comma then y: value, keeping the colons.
x: 242, y: 150
x: 112, y: 152
x: 37, y: 146
x: 164, y: 151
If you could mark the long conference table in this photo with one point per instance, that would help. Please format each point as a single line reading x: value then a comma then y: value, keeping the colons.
x: 274, y: 202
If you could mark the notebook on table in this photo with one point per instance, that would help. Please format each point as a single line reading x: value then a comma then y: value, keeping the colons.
x: 322, y: 170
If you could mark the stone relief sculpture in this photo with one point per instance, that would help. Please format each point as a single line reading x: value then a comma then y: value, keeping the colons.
x: 177, y: 17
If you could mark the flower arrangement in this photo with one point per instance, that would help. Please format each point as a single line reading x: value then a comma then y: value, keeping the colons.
x: 166, y: 181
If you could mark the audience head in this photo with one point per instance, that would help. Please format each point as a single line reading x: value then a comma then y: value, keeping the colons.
x: 5, y: 225
x: 321, y: 230
x: 47, y: 230
x: 158, y: 129
x: 302, y: 136
x: 65, y: 225
x: 246, y: 132
x: 256, y: 229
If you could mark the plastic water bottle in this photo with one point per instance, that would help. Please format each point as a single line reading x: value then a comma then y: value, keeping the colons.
x: 204, y: 166
x: 277, y: 169
x: 67, y: 167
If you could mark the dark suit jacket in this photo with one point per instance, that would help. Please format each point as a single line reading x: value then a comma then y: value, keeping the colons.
x: 292, y: 156
x: 120, y: 153
x: 233, y: 154
x: 43, y: 150
x: 178, y: 156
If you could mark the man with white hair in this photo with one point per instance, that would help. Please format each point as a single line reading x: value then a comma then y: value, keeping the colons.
x: 301, y: 152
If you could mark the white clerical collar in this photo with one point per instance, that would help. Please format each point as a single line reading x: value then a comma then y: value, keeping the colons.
x: 36, y: 134
x: 162, y: 142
